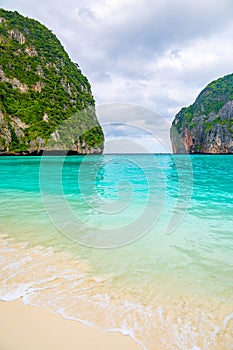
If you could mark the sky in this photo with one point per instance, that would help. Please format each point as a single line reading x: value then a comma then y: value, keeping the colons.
x: 150, y: 55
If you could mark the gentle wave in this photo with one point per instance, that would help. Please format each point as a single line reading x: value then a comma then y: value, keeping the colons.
x: 42, y: 276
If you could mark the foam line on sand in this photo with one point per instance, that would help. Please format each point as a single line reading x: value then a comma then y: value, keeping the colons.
x: 25, y: 327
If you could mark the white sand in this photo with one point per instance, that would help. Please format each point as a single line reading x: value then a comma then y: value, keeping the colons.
x: 25, y: 327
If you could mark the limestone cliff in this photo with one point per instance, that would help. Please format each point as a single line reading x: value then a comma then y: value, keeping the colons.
x: 40, y: 90
x: 207, y: 125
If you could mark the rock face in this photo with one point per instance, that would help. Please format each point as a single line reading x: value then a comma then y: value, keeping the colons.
x: 45, y: 101
x: 207, y: 125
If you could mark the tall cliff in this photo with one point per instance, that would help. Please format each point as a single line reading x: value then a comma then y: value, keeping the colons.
x: 207, y: 125
x: 40, y: 89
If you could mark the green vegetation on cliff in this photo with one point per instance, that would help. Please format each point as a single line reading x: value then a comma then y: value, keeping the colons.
x: 40, y: 88
x: 207, y: 125
x: 211, y: 100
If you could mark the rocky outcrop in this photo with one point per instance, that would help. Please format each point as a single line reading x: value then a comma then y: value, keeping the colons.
x: 207, y: 125
x: 46, y: 102
x: 16, y: 84
x: 31, y: 51
x: 37, y: 87
x: 16, y: 35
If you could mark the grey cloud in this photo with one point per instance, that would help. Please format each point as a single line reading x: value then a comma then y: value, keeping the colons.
x: 138, y: 53
x: 87, y: 13
x: 156, y: 25
x: 143, y: 33
x: 128, y: 120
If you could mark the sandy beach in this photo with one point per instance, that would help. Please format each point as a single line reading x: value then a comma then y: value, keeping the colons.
x: 26, y: 327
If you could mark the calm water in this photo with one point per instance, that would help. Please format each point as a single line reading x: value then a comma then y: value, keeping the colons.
x: 154, y: 233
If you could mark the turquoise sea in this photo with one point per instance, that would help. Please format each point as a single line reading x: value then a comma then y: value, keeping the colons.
x: 141, y: 244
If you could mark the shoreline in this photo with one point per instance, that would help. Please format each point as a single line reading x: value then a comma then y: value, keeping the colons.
x: 49, y: 299
x: 26, y: 327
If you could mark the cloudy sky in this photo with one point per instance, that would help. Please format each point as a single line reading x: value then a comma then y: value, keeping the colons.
x: 156, y: 54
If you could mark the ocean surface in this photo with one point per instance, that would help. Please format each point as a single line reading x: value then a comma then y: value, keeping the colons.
x: 140, y: 244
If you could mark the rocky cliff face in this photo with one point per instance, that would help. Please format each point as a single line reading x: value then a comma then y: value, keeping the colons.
x: 40, y: 90
x: 207, y: 125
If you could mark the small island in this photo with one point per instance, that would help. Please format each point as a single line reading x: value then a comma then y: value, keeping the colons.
x: 207, y: 125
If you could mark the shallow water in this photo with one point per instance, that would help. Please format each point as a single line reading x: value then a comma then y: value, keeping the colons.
x: 140, y: 243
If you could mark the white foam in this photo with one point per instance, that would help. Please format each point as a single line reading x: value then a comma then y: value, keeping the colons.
x: 132, y: 312
x: 18, y: 293
x: 227, y: 319
x: 123, y: 331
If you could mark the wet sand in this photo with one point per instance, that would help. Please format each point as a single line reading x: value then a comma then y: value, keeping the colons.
x: 56, y: 282
x: 26, y: 327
